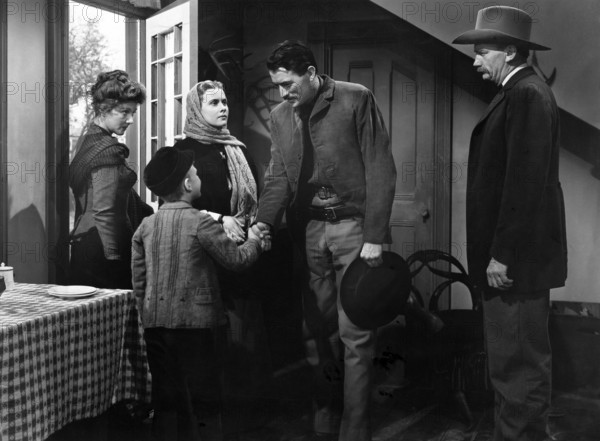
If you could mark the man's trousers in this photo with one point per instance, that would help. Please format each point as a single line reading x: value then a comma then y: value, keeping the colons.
x: 520, y: 362
x: 330, y: 248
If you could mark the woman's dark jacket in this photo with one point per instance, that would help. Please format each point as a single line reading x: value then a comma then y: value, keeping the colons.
x: 102, y: 182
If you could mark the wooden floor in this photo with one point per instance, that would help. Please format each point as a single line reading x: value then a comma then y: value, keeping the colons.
x: 410, y: 413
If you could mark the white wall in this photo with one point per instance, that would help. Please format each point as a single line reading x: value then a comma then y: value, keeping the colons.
x: 582, y: 204
x: 27, y: 92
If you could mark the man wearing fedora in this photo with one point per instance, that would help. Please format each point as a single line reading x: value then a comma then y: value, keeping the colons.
x: 515, y: 220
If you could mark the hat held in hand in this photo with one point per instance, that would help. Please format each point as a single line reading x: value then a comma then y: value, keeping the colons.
x: 501, y: 25
x: 166, y: 170
x: 373, y: 297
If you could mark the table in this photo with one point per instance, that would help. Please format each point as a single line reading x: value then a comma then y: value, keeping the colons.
x: 64, y: 360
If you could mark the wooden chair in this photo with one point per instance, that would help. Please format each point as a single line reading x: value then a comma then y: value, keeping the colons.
x: 455, y: 356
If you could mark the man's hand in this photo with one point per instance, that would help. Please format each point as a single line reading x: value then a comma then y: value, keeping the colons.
x: 497, y: 275
x: 252, y: 235
x: 263, y: 232
x: 371, y: 253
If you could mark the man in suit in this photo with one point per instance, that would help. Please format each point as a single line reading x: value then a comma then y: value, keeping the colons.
x: 515, y: 221
x: 332, y: 166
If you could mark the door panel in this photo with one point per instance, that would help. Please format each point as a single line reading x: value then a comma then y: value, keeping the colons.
x: 403, y: 85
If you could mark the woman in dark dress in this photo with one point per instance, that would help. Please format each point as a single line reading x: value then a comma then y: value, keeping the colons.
x: 229, y: 195
x: 107, y: 208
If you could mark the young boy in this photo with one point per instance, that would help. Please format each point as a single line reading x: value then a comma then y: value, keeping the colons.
x: 174, y: 278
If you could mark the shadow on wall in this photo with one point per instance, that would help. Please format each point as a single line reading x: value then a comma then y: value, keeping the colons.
x: 27, y: 247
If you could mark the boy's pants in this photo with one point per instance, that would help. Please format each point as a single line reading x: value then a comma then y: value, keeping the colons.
x: 186, y: 367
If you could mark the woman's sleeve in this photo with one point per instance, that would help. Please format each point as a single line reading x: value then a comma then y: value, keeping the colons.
x: 105, y: 181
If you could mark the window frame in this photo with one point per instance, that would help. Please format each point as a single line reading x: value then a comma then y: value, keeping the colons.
x: 3, y: 134
x: 57, y: 146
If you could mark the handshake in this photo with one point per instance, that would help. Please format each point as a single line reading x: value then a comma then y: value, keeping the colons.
x: 262, y: 232
x: 234, y: 230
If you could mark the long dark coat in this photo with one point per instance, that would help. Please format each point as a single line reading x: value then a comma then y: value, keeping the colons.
x: 515, y: 207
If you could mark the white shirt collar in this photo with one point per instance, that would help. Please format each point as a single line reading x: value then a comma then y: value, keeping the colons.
x: 512, y: 72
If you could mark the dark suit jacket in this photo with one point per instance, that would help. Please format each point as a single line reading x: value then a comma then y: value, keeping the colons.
x: 347, y: 128
x: 515, y: 208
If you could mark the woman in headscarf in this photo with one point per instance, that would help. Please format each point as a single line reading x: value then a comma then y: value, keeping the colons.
x: 107, y: 208
x: 229, y: 195
x: 221, y: 159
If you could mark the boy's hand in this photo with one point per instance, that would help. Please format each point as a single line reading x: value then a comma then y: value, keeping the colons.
x: 252, y: 235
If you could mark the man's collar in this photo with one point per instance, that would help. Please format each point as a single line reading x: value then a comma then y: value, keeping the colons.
x: 512, y: 72
x: 307, y: 108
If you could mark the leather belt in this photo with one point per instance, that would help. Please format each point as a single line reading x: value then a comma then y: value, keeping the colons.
x: 332, y: 213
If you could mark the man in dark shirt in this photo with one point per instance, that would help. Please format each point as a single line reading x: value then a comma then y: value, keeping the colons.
x: 331, y: 164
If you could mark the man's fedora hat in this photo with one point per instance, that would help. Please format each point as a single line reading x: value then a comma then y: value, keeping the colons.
x: 373, y: 297
x: 503, y: 25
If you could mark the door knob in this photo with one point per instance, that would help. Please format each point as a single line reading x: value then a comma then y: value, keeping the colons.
x: 425, y: 214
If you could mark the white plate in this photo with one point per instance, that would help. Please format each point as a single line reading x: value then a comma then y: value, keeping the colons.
x: 72, y: 291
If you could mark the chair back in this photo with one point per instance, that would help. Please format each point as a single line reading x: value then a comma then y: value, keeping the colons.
x: 456, y: 274
x: 459, y: 349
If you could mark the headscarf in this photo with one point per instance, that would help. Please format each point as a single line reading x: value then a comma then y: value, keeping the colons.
x: 244, y: 196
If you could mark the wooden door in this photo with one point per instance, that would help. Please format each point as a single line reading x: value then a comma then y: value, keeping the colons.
x: 403, y: 82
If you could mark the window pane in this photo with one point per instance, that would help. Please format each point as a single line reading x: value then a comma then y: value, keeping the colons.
x: 178, y: 46
x: 177, y: 119
x: 161, y: 46
x: 154, y: 48
x: 169, y: 44
x: 169, y: 101
x: 153, y: 131
x: 154, y: 93
x: 178, y: 75
x: 153, y: 148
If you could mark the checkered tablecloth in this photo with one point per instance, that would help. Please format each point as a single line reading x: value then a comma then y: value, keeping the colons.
x: 64, y: 360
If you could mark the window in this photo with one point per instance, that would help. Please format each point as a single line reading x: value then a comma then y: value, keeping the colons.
x: 95, y: 45
x: 166, y: 90
x: 171, y: 37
